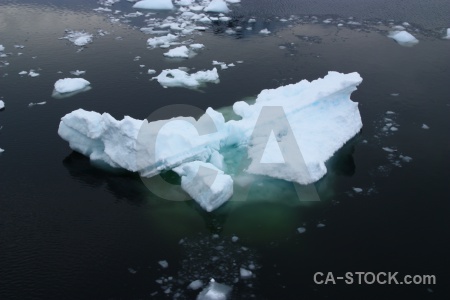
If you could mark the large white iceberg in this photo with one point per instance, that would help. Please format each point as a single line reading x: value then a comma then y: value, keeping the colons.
x: 309, y: 121
x: 154, y: 4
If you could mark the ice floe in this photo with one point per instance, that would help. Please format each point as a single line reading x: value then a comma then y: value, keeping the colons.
x: 180, y: 78
x: 403, y: 38
x: 310, y: 121
x: 178, y: 52
x: 69, y: 85
x: 161, y: 40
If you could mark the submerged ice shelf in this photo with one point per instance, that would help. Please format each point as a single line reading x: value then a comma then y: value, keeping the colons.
x: 303, y: 123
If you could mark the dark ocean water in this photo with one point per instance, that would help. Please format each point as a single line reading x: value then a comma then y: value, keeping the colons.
x: 69, y: 230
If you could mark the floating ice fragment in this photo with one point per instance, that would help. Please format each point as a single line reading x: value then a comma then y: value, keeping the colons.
x: 195, y: 285
x: 390, y: 150
x: 217, y: 6
x: 2, y: 104
x: 447, y: 36
x: 234, y: 239
x: 404, y: 38
x: 23, y: 73
x: 37, y: 103
x: 357, y: 190
x: 215, y: 291
x: 321, y: 225
x: 33, y: 74
x: 151, y: 71
x: 2, y: 150
x: 265, y: 31
x: 79, y: 38
x: 154, y: 4
x: 68, y: 85
x: 179, y: 78
x: 2, y: 48
x: 425, y: 126
x: 245, y: 274
x: 164, y: 264
x: 77, y: 72
x: 180, y: 52
x: 301, y: 230
x: 161, y: 40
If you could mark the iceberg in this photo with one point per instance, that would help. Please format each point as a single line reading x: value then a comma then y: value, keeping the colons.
x: 404, y: 38
x: 303, y: 124
x: 154, y: 4
x: 180, y: 78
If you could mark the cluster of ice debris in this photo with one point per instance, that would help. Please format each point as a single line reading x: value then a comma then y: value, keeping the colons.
x: 302, y: 124
x: 213, y: 267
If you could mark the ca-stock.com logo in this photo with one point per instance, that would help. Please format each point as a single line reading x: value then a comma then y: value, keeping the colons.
x: 177, y: 134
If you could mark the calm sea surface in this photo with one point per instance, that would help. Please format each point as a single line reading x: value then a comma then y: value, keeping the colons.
x: 69, y: 230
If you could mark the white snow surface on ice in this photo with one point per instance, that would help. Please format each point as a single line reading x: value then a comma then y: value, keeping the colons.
x: 404, y: 38
x: 178, y: 52
x: 217, y: 6
x: 161, y: 40
x: 320, y: 116
x: 180, y: 78
x: 68, y: 85
x: 154, y: 4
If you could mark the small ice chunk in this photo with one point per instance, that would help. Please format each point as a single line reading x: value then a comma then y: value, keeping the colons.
x: 217, y: 6
x: 245, y: 274
x: 404, y: 38
x: 132, y: 271
x: 23, y: 73
x: 154, y: 4
x: 393, y: 128
x: 195, y: 285
x: 425, y: 126
x: 406, y: 158
x: 79, y: 38
x: 301, y: 230
x: 37, y: 103
x: 387, y: 149
x: 447, y: 36
x: 181, y: 52
x: 151, y: 71
x: 161, y: 40
x: 2, y: 104
x: 77, y: 72
x: 197, y: 46
x: 234, y: 239
x: 395, y: 94
x: 265, y: 31
x: 320, y: 225
x: 164, y: 264
x: 2, y: 48
x: 215, y: 291
x: 68, y: 85
x: 357, y: 190
x: 33, y: 74
x: 180, y: 78
x: 2, y: 150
